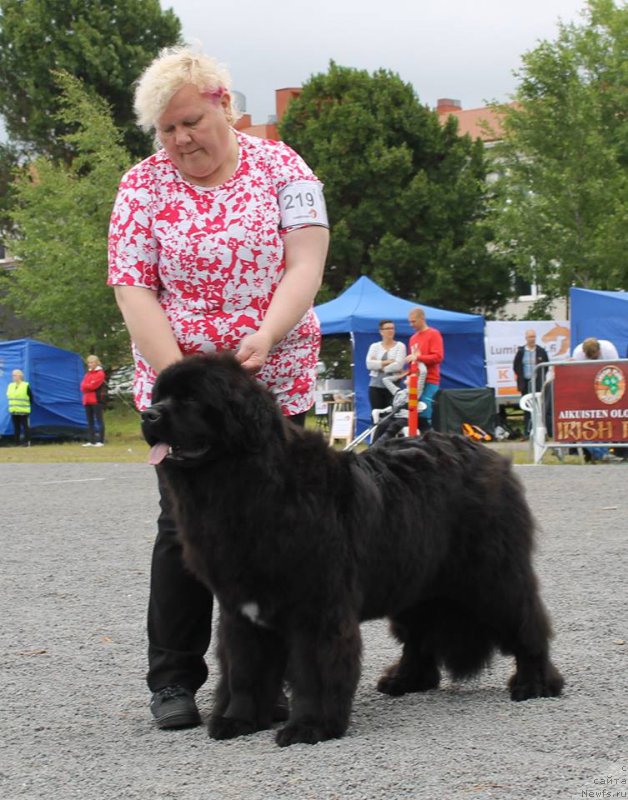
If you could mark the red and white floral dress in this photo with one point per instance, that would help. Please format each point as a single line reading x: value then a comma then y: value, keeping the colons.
x: 215, y: 257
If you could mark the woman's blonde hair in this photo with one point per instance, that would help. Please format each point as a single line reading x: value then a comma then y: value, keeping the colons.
x: 174, y: 68
x: 94, y: 359
x: 17, y: 372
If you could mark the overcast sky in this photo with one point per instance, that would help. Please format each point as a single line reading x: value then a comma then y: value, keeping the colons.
x: 462, y: 49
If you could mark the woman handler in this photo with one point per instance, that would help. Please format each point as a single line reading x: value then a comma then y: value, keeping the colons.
x: 217, y: 241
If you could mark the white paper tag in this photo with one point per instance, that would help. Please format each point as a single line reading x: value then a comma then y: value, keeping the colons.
x: 302, y: 203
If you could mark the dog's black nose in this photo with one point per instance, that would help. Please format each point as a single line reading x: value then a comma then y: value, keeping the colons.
x: 151, y: 414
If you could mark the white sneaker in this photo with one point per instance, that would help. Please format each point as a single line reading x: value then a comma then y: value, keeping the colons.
x: 99, y: 444
x: 87, y: 444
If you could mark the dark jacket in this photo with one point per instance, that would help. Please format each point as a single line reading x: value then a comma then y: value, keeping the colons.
x: 539, y: 356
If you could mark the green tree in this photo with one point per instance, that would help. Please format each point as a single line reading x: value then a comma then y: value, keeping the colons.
x: 10, y: 328
x: 561, y: 206
x: 9, y: 159
x: 105, y: 43
x: 62, y: 216
x: 406, y: 195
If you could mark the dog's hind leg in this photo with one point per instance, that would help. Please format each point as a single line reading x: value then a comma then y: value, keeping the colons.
x: 536, y: 676
x: 416, y: 670
x: 324, y: 672
x: 252, y: 661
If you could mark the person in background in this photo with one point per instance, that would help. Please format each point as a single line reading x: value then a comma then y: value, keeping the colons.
x: 426, y: 347
x: 92, y: 387
x: 20, y: 397
x: 526, y: 358
x: 385, y: 359
x: 593, y: 349
x: 217, y: 242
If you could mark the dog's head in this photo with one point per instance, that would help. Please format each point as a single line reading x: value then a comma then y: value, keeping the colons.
x: 205, y: 408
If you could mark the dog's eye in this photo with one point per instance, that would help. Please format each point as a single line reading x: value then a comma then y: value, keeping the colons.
x: 192, y: 405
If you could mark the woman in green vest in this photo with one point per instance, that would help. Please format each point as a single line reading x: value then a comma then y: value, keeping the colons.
x: 20, y: 397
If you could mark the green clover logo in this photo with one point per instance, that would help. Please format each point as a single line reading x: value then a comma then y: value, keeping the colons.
x: 611, y: 382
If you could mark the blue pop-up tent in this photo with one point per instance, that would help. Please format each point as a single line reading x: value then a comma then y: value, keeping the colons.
x: 600, y: 314
x: 358, y: 311
x: 55, y: 377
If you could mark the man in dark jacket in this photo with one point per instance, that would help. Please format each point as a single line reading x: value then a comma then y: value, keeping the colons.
x: 526, y: 359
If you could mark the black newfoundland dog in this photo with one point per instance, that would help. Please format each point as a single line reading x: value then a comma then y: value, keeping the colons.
x: 299, y: 543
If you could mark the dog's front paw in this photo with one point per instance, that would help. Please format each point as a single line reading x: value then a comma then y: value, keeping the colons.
x: 305, y: 731
x: 229, y: 728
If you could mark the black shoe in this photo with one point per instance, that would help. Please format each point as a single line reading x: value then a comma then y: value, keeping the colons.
x: 174, y: 707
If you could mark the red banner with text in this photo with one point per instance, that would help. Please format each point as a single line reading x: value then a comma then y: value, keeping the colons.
x: 591, y: 402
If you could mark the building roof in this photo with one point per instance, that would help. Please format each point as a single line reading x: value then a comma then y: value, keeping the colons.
x: 480, y: 123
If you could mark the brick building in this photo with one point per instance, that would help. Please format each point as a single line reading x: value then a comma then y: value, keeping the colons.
x: 479, y: 123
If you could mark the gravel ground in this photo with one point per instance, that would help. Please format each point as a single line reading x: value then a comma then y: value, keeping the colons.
x: 76, y: 542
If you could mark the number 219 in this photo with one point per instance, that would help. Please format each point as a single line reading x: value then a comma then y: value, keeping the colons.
x: 298, y: 199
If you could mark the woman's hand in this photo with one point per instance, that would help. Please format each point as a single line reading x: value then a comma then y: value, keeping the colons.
x: 254, y: 350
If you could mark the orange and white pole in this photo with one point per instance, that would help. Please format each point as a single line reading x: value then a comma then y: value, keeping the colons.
x: 413, y: 399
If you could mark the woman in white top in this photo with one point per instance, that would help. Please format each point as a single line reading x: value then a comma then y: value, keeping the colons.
x: 384, y: 359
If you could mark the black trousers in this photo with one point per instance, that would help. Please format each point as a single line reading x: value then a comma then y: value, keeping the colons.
x: 179, y: 608
x: 379, y: 397
x: 95, y: 423
x: 20, y: 423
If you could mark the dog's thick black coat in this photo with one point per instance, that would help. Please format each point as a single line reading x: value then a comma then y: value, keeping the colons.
x: 299, y: 543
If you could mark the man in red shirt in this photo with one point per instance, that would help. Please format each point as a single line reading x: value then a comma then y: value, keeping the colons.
x: 426, y: 346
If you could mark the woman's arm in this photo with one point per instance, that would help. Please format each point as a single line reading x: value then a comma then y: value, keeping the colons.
x: 397, y: 363
x: 93, y: 380
x: 305, y: 251
x: 372, y: 361
x: 148, y: 326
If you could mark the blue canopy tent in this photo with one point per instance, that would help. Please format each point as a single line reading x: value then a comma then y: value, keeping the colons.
x: 600, y: 314
x: 358, y: 310
x: 55, y: 377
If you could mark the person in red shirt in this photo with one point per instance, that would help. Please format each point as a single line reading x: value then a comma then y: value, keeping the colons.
x: 426, y: 346
x: 92, y: 387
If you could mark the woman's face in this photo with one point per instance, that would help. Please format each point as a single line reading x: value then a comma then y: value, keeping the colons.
x: 197, y: 137
x: 92, y: 363
x: 17, y: 376
x: 387, y: 331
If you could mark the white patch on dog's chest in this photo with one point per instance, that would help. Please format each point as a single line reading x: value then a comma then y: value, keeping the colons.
x: 251, y: 611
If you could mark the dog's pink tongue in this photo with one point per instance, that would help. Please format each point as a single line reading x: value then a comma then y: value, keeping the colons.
x: 157, y: 453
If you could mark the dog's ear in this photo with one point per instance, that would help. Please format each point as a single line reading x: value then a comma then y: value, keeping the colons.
x: 254, y: 420
x: 262, y: 419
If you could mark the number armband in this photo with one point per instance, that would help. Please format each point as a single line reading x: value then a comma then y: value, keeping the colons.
x: 302, y: 203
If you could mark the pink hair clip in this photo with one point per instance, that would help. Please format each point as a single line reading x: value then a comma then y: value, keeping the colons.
x: 214, y: 94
